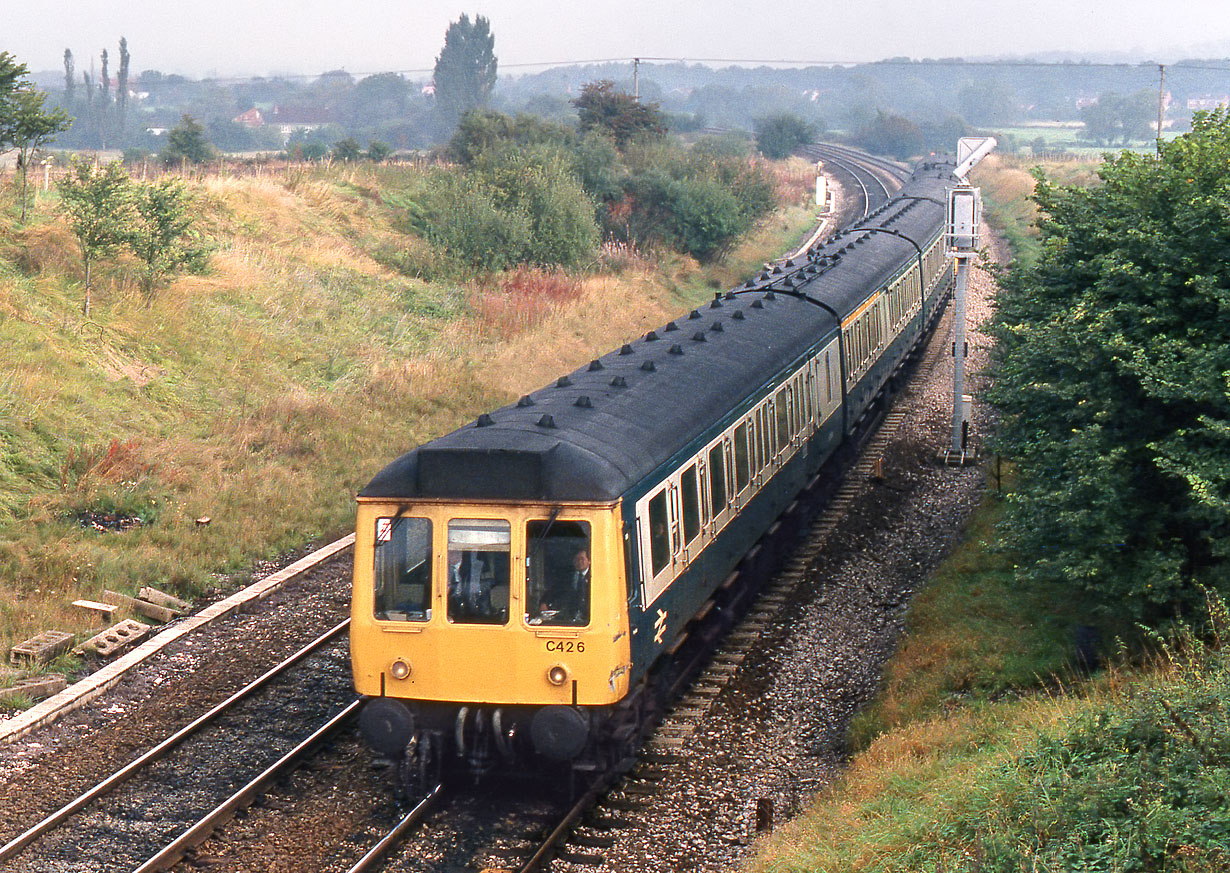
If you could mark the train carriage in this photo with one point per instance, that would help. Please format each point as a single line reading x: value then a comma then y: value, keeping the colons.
x: 518, y: 580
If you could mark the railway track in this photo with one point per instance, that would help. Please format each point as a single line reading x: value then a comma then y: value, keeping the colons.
x: 874, y: 178
x: 123, y: 822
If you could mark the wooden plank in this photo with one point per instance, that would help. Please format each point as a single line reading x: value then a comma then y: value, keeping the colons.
x: 104, y: 611
x: 153, y: 595
x: 141, y: 607
x: 43, y: 648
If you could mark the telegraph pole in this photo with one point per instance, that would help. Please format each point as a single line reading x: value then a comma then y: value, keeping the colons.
x: 636, y: 79
x: 1161, y: 103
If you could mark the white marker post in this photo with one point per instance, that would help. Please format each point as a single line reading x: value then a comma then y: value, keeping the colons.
x: 964, y: 217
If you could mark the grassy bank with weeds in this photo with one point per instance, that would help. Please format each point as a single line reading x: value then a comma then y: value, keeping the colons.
x: 262, y: 395
x: 1007, y: 182
x: 1126, y: 771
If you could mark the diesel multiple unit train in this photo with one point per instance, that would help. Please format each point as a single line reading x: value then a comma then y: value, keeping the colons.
x: 518, y: 582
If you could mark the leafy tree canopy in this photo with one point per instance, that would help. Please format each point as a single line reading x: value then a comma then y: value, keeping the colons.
x: 779, y: 135
x: 466, y: 68
x: 890, y: 134
x: 1111, y: 376
x: 187, y: 141
x: 617, y: 113
x: 1115, y: 117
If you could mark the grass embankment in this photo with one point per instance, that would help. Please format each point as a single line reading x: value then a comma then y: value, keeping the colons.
x: 265, y: 393
x: 988, y: 750
x: 1007, y: 183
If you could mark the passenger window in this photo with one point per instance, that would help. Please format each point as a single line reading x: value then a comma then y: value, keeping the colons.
x: 742, y: 473
x: 659, y: 533
x: 479, y: 556
x: 783, y: 420
x: 689, y: 500
x: 557, y: 573
x: 717, y: 480
x: 402, y: 570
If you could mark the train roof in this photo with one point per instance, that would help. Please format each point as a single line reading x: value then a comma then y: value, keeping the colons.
x: 597, y: 432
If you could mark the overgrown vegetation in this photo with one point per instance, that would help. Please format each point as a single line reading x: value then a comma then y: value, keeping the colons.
x: 533, y: 192
x: 1111, y: 357
x: 1130, y: 775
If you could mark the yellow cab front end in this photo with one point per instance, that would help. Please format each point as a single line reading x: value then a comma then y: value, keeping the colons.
x: 473, y: 619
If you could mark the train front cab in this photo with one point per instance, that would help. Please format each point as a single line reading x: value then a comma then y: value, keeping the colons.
x: 482, y: 617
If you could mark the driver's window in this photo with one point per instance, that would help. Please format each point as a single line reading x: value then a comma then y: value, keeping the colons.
x: 479, y: 553
x: 558, y: 577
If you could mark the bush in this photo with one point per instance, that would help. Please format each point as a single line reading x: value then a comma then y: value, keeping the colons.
x: 472, y: 230
x: 777, y: 136
x: 706, y: 217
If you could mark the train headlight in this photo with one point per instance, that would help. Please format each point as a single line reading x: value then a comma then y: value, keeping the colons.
x: 400, y: 669
x: 557, y: 675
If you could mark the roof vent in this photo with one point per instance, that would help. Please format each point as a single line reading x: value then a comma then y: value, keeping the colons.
x: 756, y: 304
x: 738, y: 315
x: 730, y: 295
x: 716, y: 327
x: 789, y: 283
x: 525, y: 400
x: 777, y: 269
x: 670, y: 325
x: 699, y: 336
x: 619, y: 382
x: 693, y: 315
x: 651, y: 336
x: 676, y: 349
x: 484, y: 420
x: 648, y: 367
x: 595, y: 365
x: 769, y: 295
x: 750, y: 283
x: 546, y: 421
x: 584, y: 402
x: 716, y: 304
x: 563, y: 382
x: 625, y: 349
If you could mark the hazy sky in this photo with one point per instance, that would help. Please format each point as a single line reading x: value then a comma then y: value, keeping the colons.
x: 259, y: 37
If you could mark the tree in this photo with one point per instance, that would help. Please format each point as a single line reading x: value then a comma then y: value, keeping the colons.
x: 160, y: 233
x: 779, y: 135
x: 12, y: 75
x: 1114, y: 117
x: 70, y: 77
x: 378, y: 151
x: 466, y: 68
x: 32, y: 128
x: 618, y: 114
x: 347, y: 150
x: 97, y: 204
x: 121, y: 82
x: 1111, y: 366
x: 890, y: 134
x: 186, y: 142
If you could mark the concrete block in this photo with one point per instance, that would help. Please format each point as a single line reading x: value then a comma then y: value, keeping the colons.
x: 116, y: 638
x: 43, y: 648
x: 39, y: 688
x: 153, y: 595
x: 141, y: 607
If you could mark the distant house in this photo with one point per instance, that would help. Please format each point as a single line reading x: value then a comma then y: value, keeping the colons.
x: 293, y: 118
x: 251, y: 118
x: 1207, y: 102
